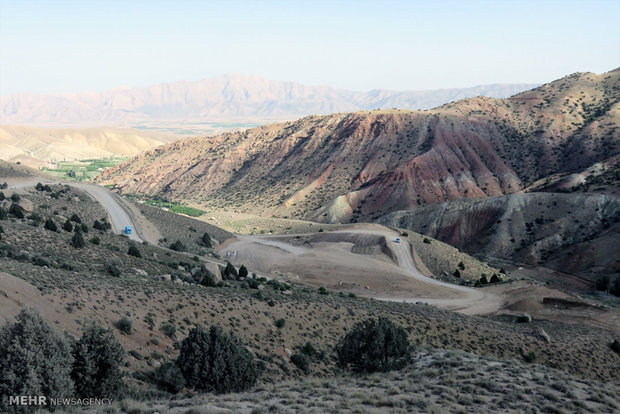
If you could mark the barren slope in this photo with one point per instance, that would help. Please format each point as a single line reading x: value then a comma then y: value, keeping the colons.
x: 38, y: 146
x: 361, y: 165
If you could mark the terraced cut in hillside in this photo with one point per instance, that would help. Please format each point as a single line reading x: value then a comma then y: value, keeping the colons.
x: 359, y: 166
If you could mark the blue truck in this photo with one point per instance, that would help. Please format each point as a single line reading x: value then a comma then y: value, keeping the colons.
x: 127, y: 229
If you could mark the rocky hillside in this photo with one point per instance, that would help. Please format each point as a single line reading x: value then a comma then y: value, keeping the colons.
x: 352, y: 166
x: 578, y: 234
x: 224, y: 97
x: 38, y: 146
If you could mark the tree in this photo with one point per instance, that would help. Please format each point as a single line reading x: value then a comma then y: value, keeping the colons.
x: 75, y: 218
x: 456, y: 273
x: 15, y: 197
x: 483, y: 279
x: 77, y: 241
x: 67, y: 226
x: 17, y: 211
x: 206, y: 240
x: 374, y: 345
x: 134, y: 251
x: 230, y: 272
x: 243, y: 272
x: 97, y: 367
x: 36, y: 359
x: 50, y: 225
x: 495, y: 279
x: 216, y: 361
x: 178, y: 246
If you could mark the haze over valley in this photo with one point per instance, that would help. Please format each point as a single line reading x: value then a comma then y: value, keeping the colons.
x: 246, y: 245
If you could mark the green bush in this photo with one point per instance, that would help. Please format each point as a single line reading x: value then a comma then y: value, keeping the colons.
x: 615, y: 346
x: 97, y: 368
x: 230, y: 272
x: 280, y: 323
x: 125, y: 326
x: 168, y: 329
x: 427, y: 240
x: 495, y: 279
x: 134, y: 251
x: 169, y: 377
x: 35, y: 359
x: 77, y: 241
x: 67, y: 226
x: 216, y: 361
x: 243, y: 272
x: 75, y: 218
x: 323, y: 291
x: 301, y: 361
x: 17, y: 211
x: 15, y: 197
x: 374, y: 345
x: 178, y: 246
x: 205, y: 240
x: 96, y: 240
x: 50, y: 225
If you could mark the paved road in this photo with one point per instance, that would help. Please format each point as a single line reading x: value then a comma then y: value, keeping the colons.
x: 118, y: 214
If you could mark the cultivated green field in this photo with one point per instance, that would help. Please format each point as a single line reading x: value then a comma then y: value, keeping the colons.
x: 83, y: 170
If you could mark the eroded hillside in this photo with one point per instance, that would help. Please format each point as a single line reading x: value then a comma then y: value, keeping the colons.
x: 359, y: 166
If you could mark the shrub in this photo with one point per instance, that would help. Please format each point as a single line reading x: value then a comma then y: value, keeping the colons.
x: 461, y: 266
x: 96, y: 240
x: 168, y: 329
x: 15, y: 197
x: 134, y: 251
x: 98, y: 360
x: 483, y: 280
x: 615, y: 346
x: 17, y: 211
x: 36, y: 360
x: 323, y: 291
x: 495, y: 279
x: 50, y: 225
x: 2, y: 214
x: 456, y: 273
x: 230, y: 272
x: 77, y: 241
x: 84, y: 228
x: 216, y: 361
x: 169, y: 377
x: 2, y: 196
x: 243, y: 272
x: 301, y: 361
x: 67, y: 226
x: 280, y: 323
x: 427, y: 240
x: 309, y: 350
x: 529, y: 357
x: 205, y: 240
x: 75, y: 218
x: 374, y: 345
x: 125, y: 326
x: 178, y: 246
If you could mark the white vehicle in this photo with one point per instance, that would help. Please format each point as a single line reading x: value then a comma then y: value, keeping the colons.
x: 397, y: 240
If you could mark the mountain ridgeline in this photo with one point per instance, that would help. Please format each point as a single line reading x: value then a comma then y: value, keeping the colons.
x: 227, y: 97
x: 359, y: 166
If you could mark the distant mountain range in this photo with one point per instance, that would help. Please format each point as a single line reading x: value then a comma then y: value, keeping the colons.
x: 225, y: 97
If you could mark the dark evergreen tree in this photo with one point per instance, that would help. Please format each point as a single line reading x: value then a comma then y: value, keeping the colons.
x: 97, y: 366
x: 134, y: 251
x: 374, y: 345
x: 35, y: 359
x: 206, y: 240
x: 50, y: 225
x: 67, y: 226
x: 77, y: 241
x: 243, y: 272
x: 216, y: 361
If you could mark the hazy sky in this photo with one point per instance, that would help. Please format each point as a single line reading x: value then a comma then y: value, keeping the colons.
x: 88, y: 45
